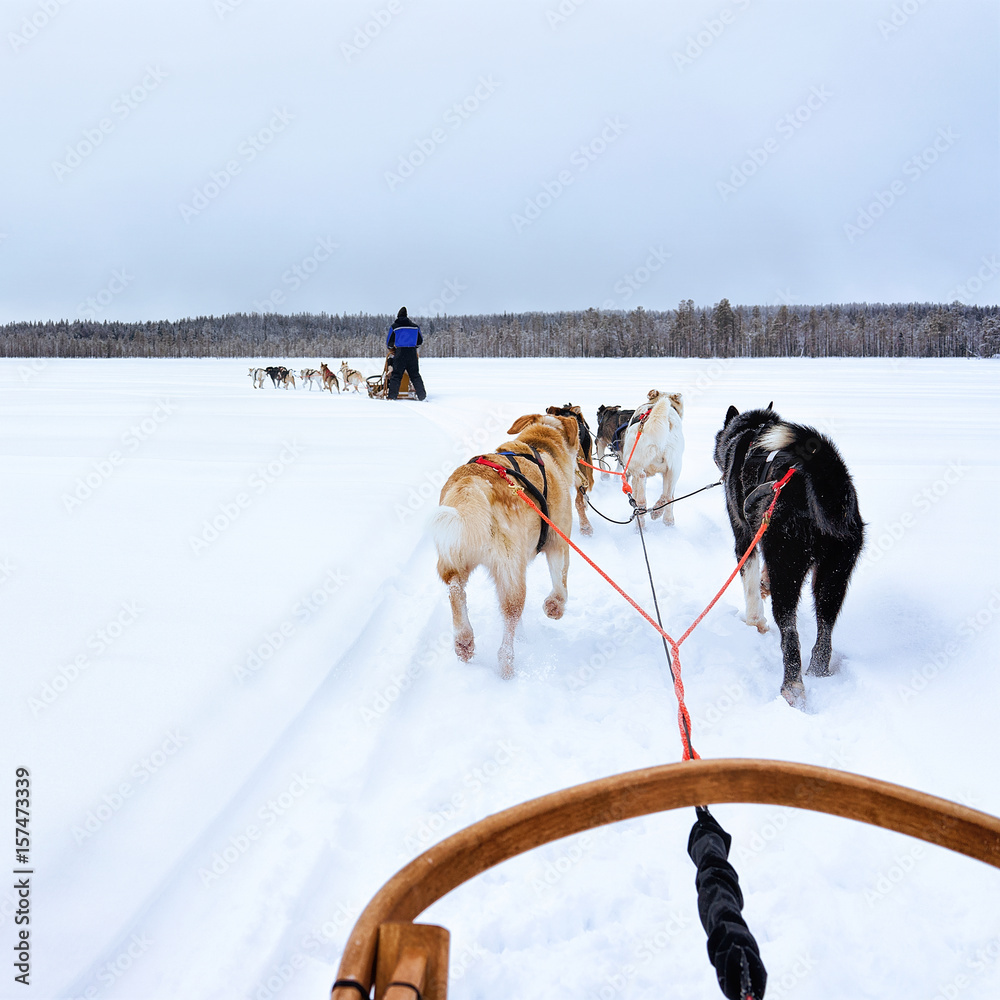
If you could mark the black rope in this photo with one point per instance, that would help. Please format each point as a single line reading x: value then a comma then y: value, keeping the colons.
x: 648, y: 510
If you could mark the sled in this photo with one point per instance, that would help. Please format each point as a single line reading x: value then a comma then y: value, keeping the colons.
x: 403, y: 957
x: 378, y: 385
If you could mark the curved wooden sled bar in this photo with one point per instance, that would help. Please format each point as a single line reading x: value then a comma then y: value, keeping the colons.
x: 637, y: 793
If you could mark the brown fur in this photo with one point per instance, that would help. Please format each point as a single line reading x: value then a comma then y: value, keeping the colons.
x: 481, y: 522
x: 329, y: 379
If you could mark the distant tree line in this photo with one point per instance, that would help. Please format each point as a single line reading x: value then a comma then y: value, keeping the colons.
x: 911, y: 330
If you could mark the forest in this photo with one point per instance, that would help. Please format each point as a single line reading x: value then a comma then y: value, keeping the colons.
x: 855, y: 330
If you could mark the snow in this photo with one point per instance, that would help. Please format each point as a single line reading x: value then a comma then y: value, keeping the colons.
x: 229, y: 672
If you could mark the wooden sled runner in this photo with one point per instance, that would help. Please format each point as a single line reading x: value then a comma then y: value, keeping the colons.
x: 399, y: 956
x: 378, y: 385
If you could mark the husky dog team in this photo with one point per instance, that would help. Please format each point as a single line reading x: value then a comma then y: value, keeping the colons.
x: 815, y: 524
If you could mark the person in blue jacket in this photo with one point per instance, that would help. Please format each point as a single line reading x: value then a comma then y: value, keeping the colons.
x: 404, y: 337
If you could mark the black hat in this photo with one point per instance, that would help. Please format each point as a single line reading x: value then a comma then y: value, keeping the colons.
x: 402, y: 313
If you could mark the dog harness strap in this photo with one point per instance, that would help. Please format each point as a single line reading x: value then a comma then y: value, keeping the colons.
x: 539, y: 497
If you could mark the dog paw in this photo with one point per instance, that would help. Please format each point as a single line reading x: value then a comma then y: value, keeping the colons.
x: 465, y: 647
x: 794, y: 693
x: 553, y: 606
x: 586, y: 529
x: 819, y: 669
x: 759, y: 623
x: 656, y: 514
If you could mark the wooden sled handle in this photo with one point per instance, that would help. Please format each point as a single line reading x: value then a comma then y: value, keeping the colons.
x: 506, y: 834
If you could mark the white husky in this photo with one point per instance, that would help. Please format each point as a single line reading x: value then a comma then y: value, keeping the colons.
x: 659, y: 450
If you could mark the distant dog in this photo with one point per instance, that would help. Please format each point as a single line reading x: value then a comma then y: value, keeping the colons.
x: 657, y: 438
x: 311, y: 375
x: 611, y: 424
x: 816, y: 524
x: 482, y: 523
x: 353, y: 379
x: 258, y: 375
x: 329, y: 379
x: 584, y: 472
x: 289, y: 379
x: 277, y: 374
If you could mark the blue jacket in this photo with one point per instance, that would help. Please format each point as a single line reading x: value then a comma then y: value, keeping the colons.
x: 406, y: 334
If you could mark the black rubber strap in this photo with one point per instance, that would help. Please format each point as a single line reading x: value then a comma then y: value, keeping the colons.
x: 351, y: 984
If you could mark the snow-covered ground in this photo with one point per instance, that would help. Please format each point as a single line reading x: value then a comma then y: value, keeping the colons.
x: 228, y: 669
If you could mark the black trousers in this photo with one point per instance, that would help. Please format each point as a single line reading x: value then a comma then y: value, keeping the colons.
x: 405, y: 360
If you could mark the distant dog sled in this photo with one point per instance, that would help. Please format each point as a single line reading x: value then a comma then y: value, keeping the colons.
x: 378, y: 385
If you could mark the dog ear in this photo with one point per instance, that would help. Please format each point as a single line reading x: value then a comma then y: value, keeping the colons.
x: 770, y: 406
x: 523, y: 422
x: 677, y: 402
x: 730, y: 413
x: 572, y: 431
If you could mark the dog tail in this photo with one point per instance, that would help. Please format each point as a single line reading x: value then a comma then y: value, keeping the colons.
x: 462, y: 537
x: 445, y: 528
x: 830, y: 494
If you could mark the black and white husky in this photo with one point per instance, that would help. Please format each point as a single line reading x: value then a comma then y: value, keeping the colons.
x: 816, y: 524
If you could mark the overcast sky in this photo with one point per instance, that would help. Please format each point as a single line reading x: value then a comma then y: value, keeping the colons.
x: 169, y: 158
